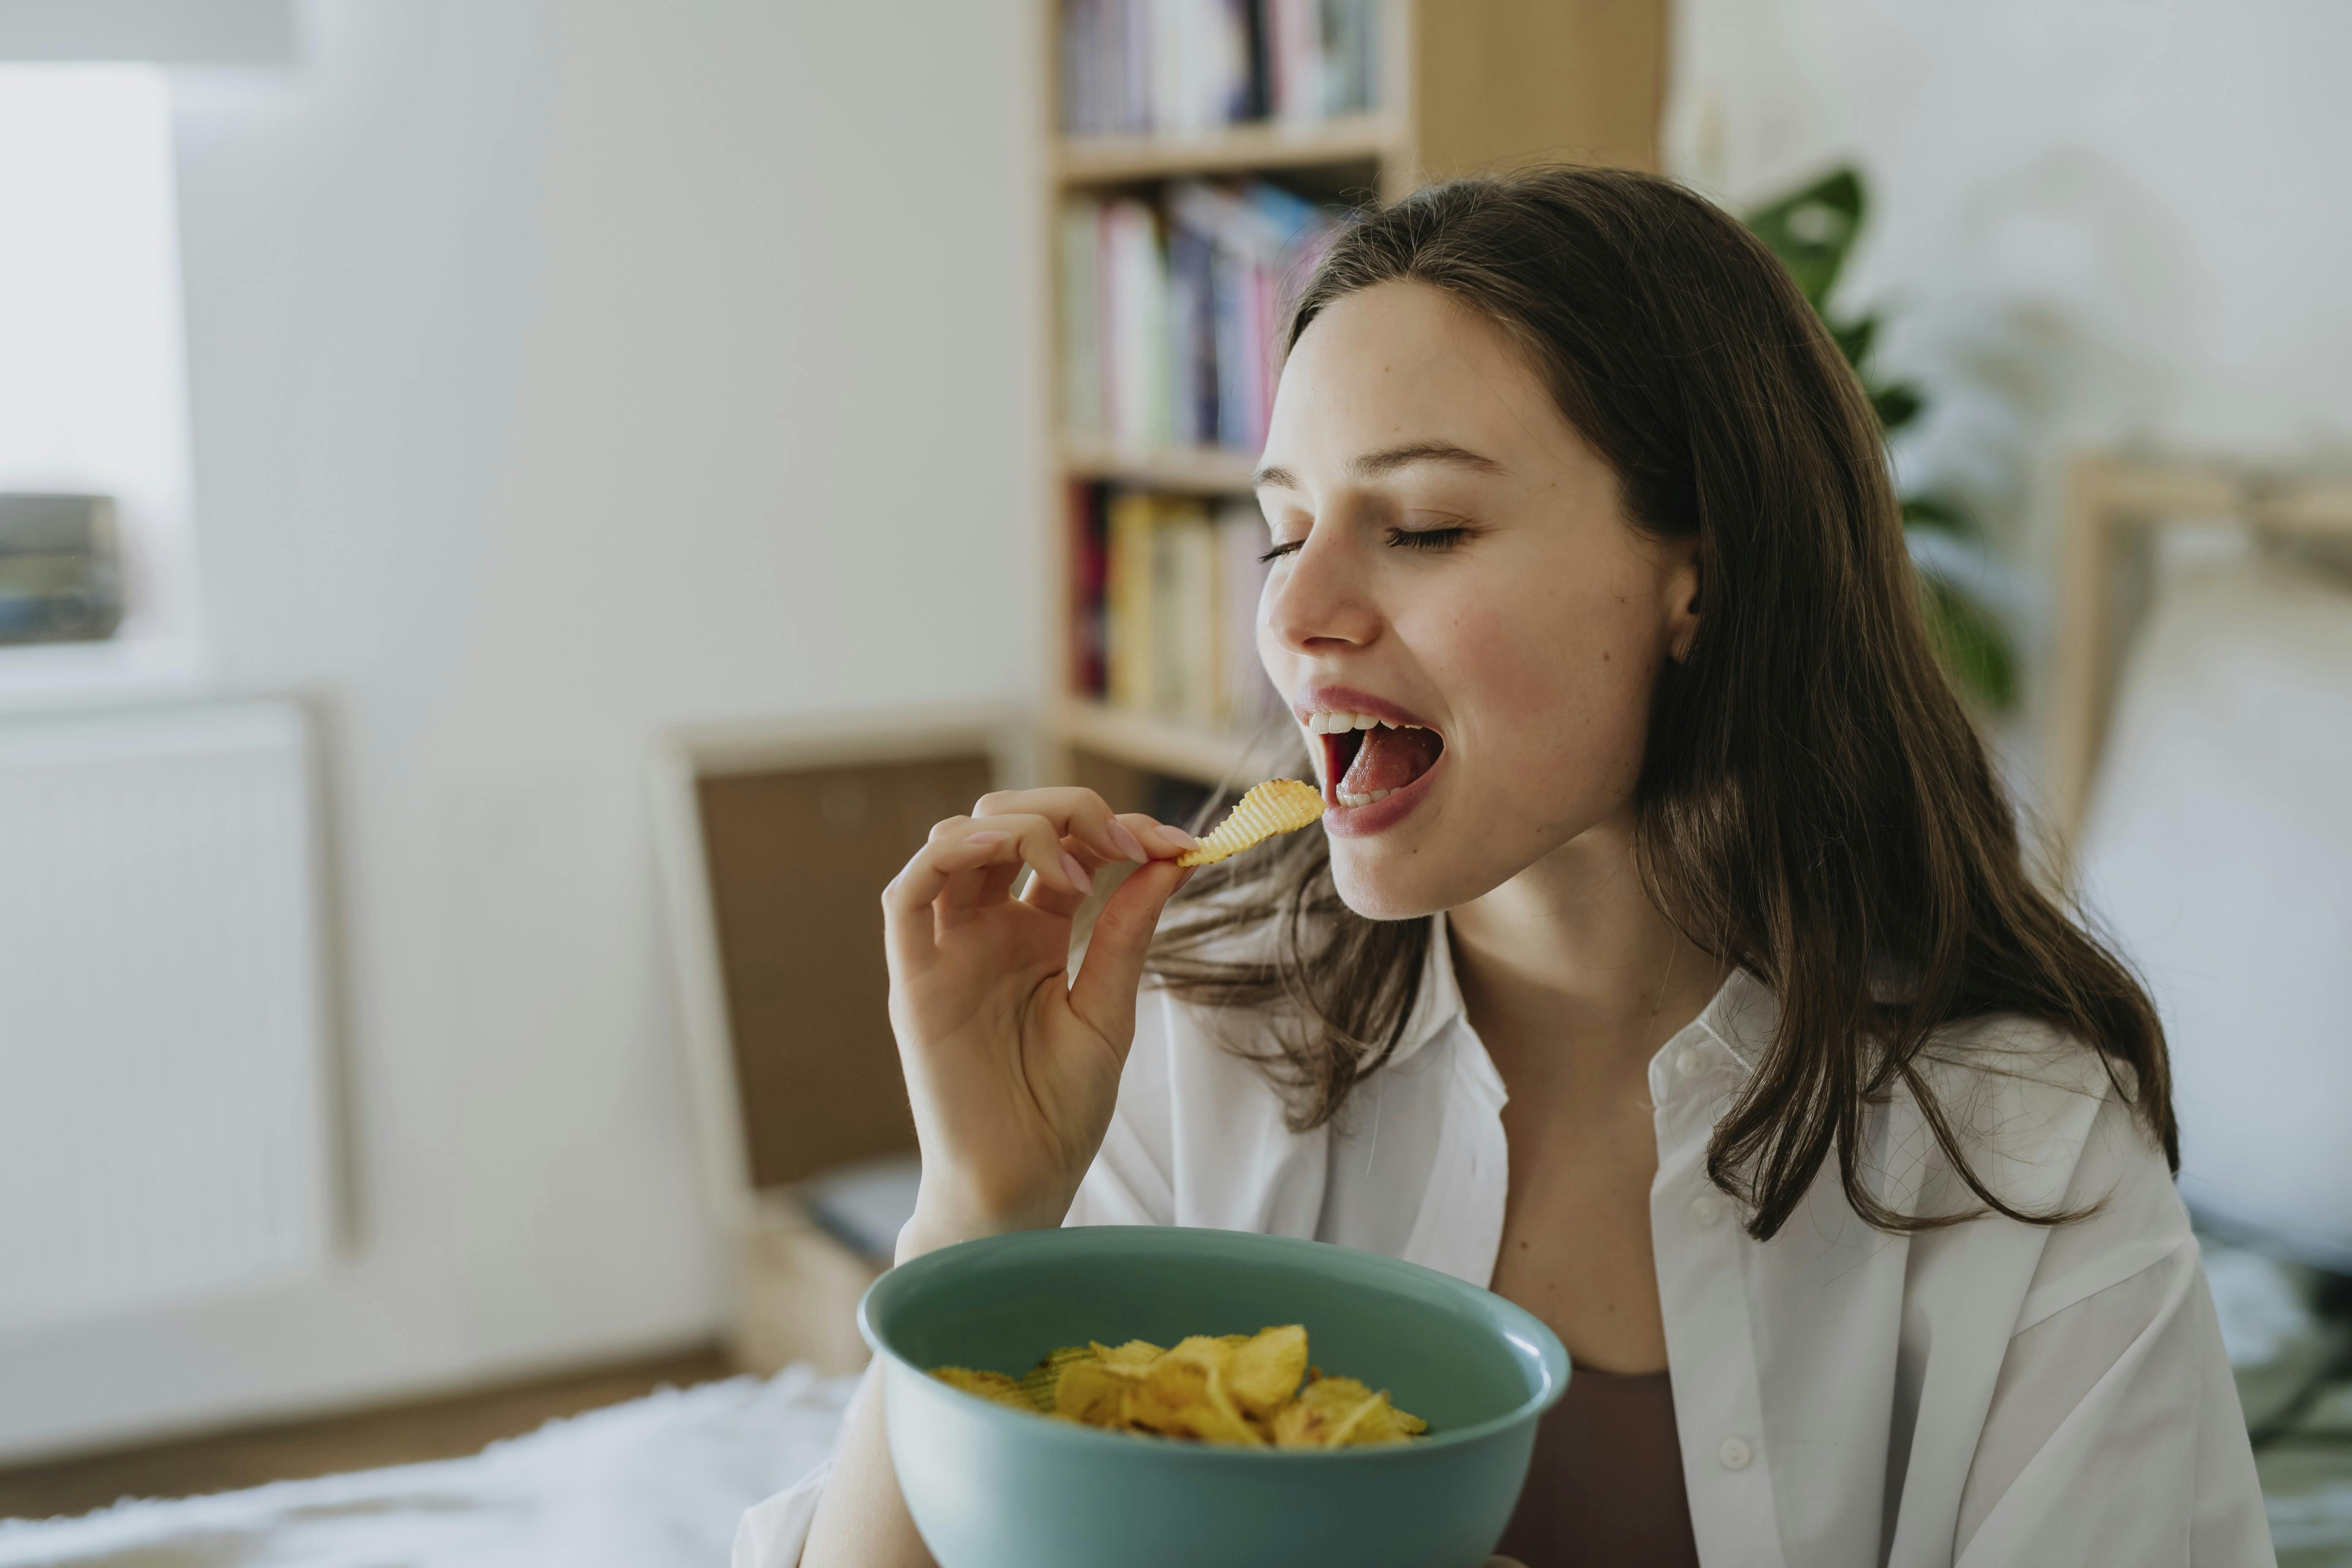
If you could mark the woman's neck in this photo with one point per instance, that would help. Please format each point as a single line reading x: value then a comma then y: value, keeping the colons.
x: 1572, y: 951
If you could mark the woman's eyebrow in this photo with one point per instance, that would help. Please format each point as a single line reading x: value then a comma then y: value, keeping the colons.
x: 1388, y: 460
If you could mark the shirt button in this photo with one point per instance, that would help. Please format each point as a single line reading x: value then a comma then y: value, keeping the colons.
x: 1707, y: 1211
x: 1735, y: 1454
x: 1691, y: 1061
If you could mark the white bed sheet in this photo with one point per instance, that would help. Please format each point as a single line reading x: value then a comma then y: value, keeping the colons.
x: 657, y: 1482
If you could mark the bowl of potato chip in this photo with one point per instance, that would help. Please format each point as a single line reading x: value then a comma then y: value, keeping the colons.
x: 1152, y: 1396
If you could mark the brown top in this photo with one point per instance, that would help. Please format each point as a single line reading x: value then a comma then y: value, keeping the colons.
x: 1605, y: 1489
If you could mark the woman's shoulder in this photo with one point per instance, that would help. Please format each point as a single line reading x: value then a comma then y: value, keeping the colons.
x: 2044, y: 1119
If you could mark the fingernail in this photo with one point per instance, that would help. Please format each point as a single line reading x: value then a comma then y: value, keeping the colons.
x: 1176, y: 839
x: 1127, y: 844
x: 1075, y: 870
x: 988, y: 838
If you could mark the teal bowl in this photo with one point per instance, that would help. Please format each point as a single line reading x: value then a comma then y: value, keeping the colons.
x: 994, y: 1487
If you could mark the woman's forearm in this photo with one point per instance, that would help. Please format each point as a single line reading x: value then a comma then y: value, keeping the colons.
x: 861, y: 1520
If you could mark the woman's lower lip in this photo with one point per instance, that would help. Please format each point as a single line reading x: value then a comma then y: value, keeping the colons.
x: 1363, y: 821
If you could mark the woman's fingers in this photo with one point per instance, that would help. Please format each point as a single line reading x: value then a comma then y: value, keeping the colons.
x: 1104, y: 992
x: 950, y: 872
x: 1074, y: 813
x: 971, y: 862
x: 1160, y: 839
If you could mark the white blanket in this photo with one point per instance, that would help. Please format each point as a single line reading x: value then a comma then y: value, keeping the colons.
x: 658, y: 1482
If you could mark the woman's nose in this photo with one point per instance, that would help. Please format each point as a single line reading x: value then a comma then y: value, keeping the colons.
x: 1319, y: 598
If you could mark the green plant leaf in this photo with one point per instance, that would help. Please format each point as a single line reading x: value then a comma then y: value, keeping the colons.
x: 1972, y: 646
x: 1896, y: 404
x: 1813, y: 229
x: 1853, y: 338
x: 1939, y: 514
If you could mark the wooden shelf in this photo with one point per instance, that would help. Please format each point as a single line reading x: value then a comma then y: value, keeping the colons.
x: 1159, y: 745
x: 1462, y: 89
x: 1186, y: 470
x: 1112, y: 160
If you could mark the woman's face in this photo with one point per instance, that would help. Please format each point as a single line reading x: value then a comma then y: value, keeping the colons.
x: 1453, y: 556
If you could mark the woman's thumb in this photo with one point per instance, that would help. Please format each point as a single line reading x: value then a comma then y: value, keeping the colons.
x: 1104, y: 992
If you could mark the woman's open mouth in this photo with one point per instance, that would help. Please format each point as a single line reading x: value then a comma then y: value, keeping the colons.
x: 1372, y: 766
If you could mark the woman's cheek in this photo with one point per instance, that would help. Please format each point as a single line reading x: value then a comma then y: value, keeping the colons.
x: 1562, y: 715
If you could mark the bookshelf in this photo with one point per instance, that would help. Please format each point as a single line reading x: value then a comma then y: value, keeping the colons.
x: 1453, y: 87
x: 1239, y: 150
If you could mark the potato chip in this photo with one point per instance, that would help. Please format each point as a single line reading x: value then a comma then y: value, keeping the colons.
x: 1136, y: 1355
x: 1374, y: 1421
x: 1278, y: 805
x: 1241, y: 1389
x: 1266, y: 1368
x: 1185, y: 1396
x: 1095, y: 1393
x: 1039, y: 1382
x: 1309, y: 1421
x: 993, y: 1385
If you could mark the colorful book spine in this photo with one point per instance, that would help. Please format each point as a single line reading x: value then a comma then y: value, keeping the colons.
x: 1128, y: 603
x: 1134, y: 326
x: 1178, y: 68
x: 1080, y: 295
x: 1174, y: 607
x: 1089, y: 591
x: 1178, y: 341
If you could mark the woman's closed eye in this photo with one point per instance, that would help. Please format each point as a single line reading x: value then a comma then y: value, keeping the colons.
x: 1398, y: 538
x: 1444, y: 538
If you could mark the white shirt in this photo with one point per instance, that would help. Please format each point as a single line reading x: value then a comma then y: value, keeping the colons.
x: 1988, y: 1394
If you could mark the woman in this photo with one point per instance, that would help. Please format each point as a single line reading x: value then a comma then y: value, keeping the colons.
x: 1666, y: 961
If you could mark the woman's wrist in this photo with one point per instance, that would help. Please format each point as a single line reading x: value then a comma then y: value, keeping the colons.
x: 933, y: 1228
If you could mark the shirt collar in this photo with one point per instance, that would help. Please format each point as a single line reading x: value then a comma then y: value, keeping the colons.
x: 1741, y: 1017
x: 1438, y: 1001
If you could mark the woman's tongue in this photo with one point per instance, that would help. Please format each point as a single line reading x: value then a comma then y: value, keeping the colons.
x: 1390, y: 759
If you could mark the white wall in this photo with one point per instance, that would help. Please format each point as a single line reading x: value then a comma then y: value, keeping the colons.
x: 561, y: 369
x: 2098, y: 222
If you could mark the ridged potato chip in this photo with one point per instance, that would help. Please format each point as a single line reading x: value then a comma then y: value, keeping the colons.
x: 1041, y: 1382
x: 1267, y: 1368
x: 993, y: 1385
x: 1278, y: 805
x: 1239, y: 1389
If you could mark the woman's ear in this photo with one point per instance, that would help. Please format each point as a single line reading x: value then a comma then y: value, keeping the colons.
x: 1681, y: 601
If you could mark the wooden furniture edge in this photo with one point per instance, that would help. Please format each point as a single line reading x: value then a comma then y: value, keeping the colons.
x: 2104, y: 495
x: 1237, y: 150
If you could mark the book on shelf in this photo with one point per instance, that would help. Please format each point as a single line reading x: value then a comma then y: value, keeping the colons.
x: 1179, y: 68
x: 1172, y: 312
x: 1174, y: 609
x: 1089, y: 585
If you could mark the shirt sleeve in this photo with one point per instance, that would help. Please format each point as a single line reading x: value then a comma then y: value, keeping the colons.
x: 772, y: 1533
x: 2114, y: 1434
x: 1130, y: 1181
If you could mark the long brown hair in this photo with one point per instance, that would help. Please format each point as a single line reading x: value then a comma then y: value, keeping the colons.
x: 1814, y: 806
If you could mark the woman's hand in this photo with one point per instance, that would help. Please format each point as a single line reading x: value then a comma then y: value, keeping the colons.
x: 1013, y: 1069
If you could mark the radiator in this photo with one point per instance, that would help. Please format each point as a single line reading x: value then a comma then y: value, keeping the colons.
x: 164, y: 1103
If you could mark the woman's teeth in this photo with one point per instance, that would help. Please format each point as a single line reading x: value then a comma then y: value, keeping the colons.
x: 1343, y: 723
x: 1340, y: 724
